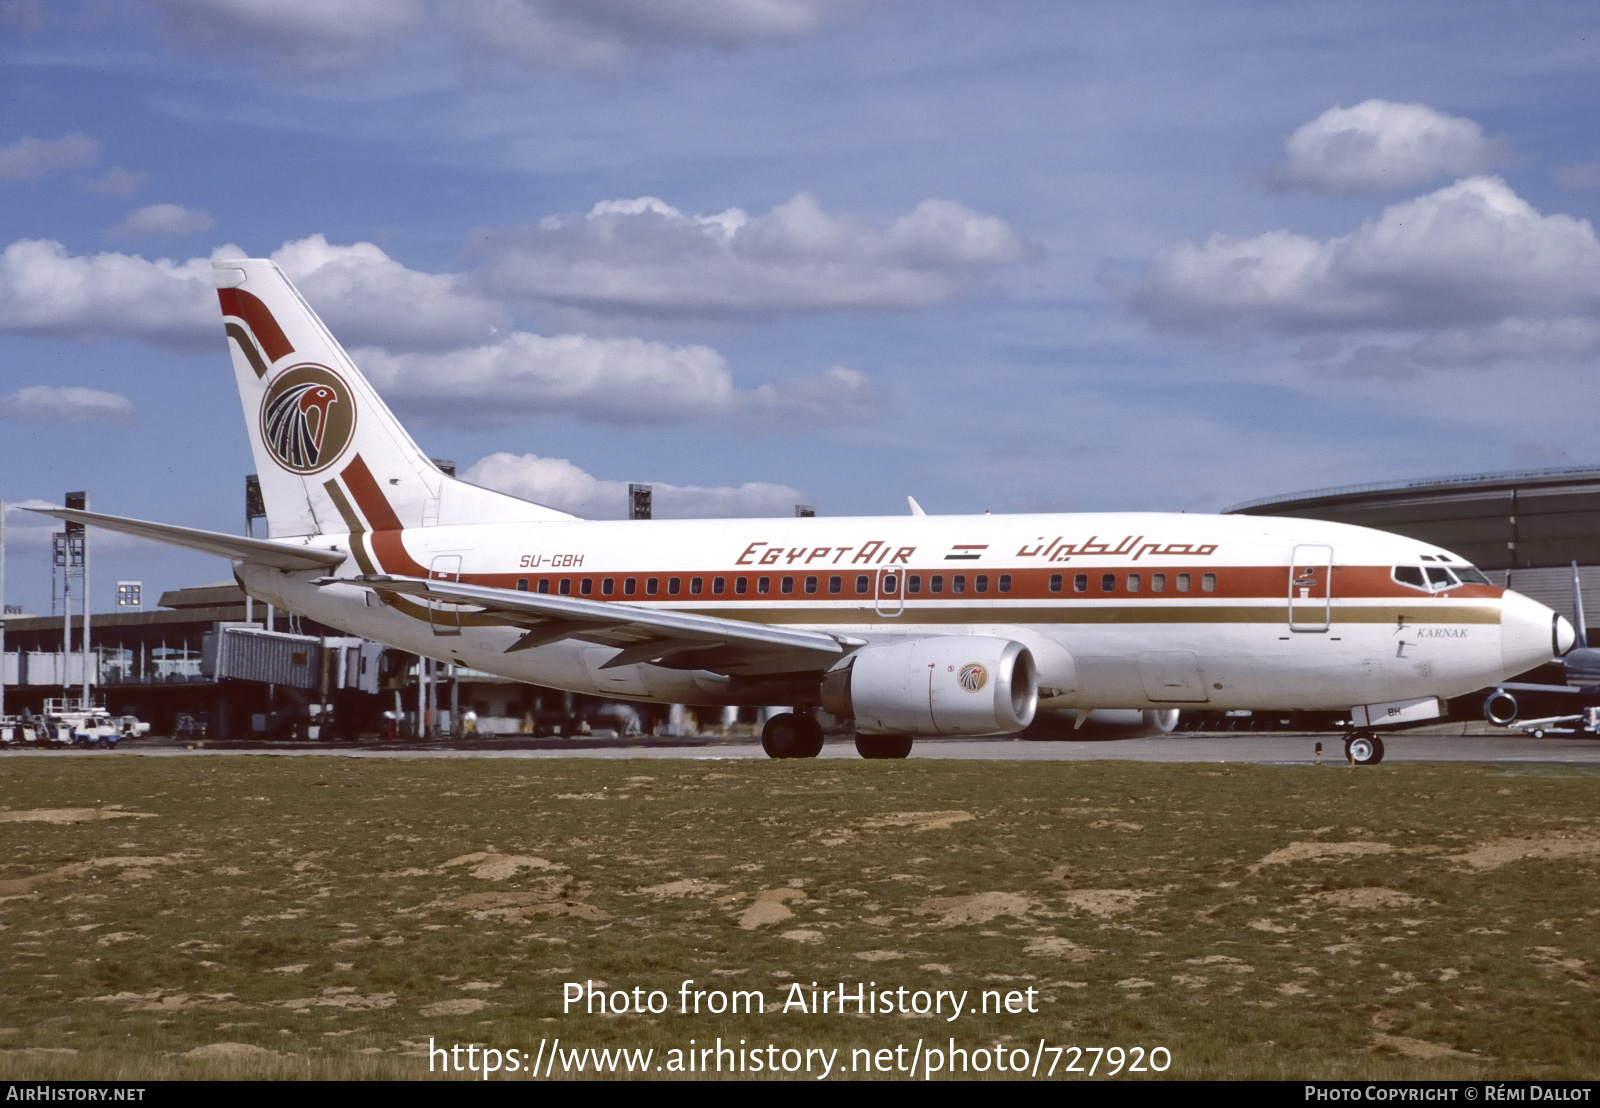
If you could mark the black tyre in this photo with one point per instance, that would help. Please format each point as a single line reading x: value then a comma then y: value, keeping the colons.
x: 883, y: 746
x: 1363, y: 750
x: 791, y: 735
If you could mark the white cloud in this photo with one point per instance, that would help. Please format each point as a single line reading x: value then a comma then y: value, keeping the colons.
x: 646, y: 258
x: 560, y: 484
x: 592, y: 34
x: 164, y: 219
x: 613, y: 380
x: 116, y: 181
x: 30, y: 158
x: 1379, y: 144
x: 44, y: 290
x: 69, y: 404
x: 836, y: 395
x: 606, y: 380
x: 367, y: 298
x: 313, y: 33
x: 1472, y: 268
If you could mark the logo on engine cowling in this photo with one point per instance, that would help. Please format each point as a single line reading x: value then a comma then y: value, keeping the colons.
x: 972, y: 677
x: 307, y: 418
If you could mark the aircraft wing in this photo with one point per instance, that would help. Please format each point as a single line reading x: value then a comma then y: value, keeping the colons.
x: 676, y: 639
x: 278, y: 555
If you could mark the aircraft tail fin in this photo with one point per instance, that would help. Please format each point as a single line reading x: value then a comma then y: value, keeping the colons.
x: 330, y: 454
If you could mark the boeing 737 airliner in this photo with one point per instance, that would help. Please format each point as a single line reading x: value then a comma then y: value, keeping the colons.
x: 913, y: 625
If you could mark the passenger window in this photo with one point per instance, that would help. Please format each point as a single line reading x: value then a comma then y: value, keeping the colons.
x: 913, y: 584
x: 836, y: 584
x: 1108, y: 582
x: 1208, y: 582
x: 1158, y: 582
x: 739, y: 585
x: 522, y: 584
x: 586, y: 586
x: 958, y: 583
x: 936, y: 583
x: 1183, y: 582
x: 1055, y: 582
x: 1005, y: 582
x: 891, y: 584
x: 1133, y: 582
x: 544, y: 584
x: 565, y: 587
x: 672, y: 586
x: 1410, y: 575
x: 649, y: 586
x: 980, y: 583
x: 627, y: 586
x: 811, y: 584
x: 763, y: 585
x: 1080, y: 583
x: 605, y: 587
x: 786, y: 585
x: 695, y: 586
x: 717, y: 584
x: 863, y: 585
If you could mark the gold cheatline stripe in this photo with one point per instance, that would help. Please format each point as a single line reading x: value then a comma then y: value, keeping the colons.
x: 242, y: 337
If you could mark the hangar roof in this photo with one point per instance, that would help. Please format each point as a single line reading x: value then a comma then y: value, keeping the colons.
x: 1525, y: 519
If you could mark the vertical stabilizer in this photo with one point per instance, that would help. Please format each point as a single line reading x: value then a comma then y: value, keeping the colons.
x: 330, y: 454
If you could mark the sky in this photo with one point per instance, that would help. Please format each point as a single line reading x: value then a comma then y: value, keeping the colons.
x: 1025, y: 255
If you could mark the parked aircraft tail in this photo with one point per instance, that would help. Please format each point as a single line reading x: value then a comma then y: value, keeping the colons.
x: 330, y: 455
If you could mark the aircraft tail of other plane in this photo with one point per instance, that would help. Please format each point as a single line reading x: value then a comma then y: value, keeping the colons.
x: 330, y: 454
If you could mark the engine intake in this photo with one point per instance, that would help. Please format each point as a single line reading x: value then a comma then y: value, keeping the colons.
x: 941, y: 685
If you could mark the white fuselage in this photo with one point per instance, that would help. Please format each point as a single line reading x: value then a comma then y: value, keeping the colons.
x: 1120, y: 610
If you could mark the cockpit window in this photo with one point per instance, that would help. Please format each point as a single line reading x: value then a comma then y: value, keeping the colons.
x: 1410, y: 575
x: 1438, y: 578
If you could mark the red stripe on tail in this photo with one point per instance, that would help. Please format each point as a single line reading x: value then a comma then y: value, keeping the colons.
x: 237, y: 302
x: 387, y: 543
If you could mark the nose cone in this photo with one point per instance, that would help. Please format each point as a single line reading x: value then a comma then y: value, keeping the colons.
x: 1530, y: 633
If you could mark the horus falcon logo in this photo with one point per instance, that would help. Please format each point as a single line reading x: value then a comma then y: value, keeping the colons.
x: 972, y: 677
x: 307, y: 418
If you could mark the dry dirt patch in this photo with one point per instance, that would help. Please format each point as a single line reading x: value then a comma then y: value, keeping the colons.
x: 1104, y: 902
x: 230, y: 1050
x: 688, y: 886
x: 550, y: 896
x: 919, y: 821
x: 133, y: 868
x: 463, y: 1007
x: 498, y: 867
x: 980, y: 908
x: 1300, y: 852
x: 1054, y: 946
x: 1417, y: 1048
x: 770, y: 907
x: 68, y: 815
x: 1366, y: 898
x: 1493, y: 855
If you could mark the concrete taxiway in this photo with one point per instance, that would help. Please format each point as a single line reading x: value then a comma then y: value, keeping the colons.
x: 1454, y: 743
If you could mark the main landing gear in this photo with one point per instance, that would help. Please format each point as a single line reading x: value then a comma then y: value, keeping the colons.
x: 1363, y: 749
x: 883, y: 746
x: 792, y: 735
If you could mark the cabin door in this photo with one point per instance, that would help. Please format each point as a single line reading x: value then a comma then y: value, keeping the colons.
x: 1311, y: 588
x: 889, y: 597
x: 445, y: 618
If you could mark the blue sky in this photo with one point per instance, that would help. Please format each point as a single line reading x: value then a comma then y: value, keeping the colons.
x: 1009, y: 256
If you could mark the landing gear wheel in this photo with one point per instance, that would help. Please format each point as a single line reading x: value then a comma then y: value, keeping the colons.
x: 791, y: 735
x: 1363, y: 749
x: 883, y: 746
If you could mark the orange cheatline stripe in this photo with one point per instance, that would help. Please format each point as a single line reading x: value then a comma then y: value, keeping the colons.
x: 248, y: 307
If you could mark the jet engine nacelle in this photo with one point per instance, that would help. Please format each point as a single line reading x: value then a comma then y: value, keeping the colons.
x: 1103, y: 723
x: 1500, y: 708
x: 941, y: 685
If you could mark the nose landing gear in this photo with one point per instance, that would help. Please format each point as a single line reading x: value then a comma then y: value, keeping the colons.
x: 1363, y: 749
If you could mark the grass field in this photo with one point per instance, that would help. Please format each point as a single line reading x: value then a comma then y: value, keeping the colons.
x: 198, y: 917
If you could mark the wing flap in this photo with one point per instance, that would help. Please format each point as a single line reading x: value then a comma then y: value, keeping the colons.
x: 654, y: 633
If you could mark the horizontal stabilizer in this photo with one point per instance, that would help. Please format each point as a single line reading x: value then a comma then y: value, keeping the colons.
x: 265, y: 552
